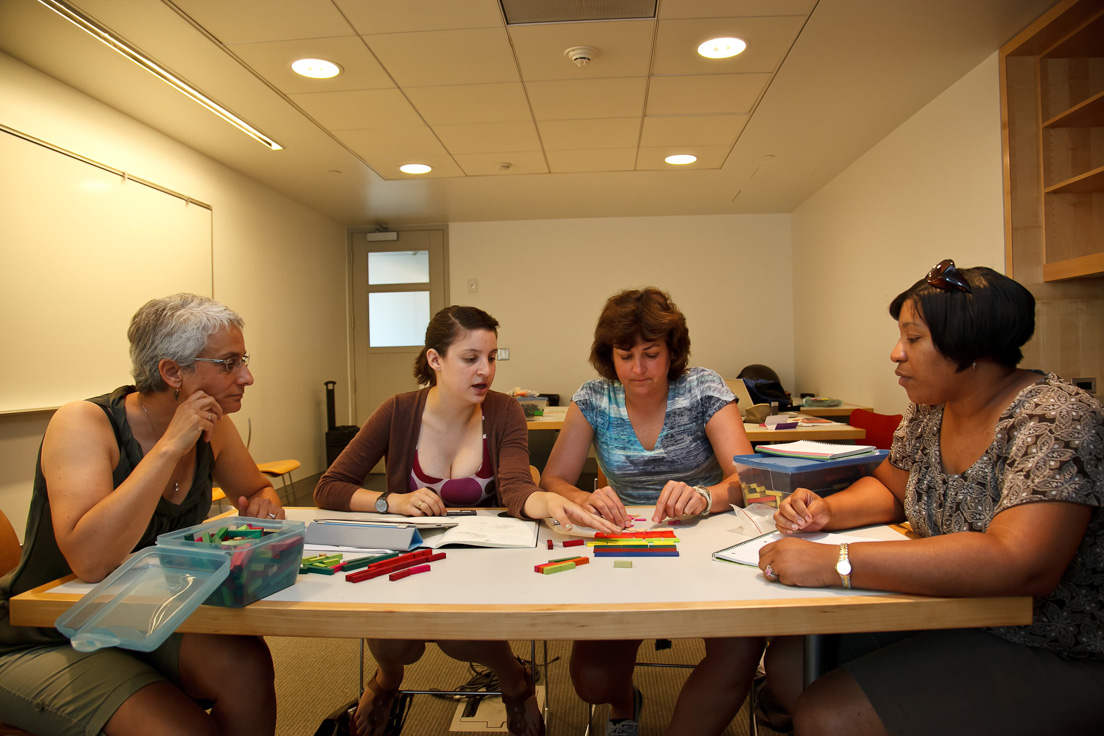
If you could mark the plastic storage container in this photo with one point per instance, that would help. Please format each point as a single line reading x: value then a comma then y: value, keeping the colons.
x: 768, y: 479
x: 144, y: 600
x: 259, y: 566
x: 533, y: 406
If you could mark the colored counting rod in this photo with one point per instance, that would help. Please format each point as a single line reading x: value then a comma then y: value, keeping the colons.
x: 566, y: 563
x: 408, y: 572
x: 621, y: 552
x: 390, y: 566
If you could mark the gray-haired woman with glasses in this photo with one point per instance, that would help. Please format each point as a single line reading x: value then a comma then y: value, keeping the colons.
x: 114, y: 472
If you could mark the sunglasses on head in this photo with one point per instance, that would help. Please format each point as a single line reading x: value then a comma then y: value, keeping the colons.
x: 945, y: 276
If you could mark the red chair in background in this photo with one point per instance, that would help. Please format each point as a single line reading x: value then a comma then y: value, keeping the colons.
x: 879, y: 427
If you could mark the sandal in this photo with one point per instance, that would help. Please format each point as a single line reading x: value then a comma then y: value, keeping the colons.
x: 379, y: 711
x: 517, y: 708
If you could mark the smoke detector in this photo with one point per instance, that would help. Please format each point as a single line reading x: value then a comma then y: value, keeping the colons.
x: 581, y: 55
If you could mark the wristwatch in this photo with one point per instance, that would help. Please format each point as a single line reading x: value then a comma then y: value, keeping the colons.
x: 843, y: 566
x: 381, y: 502
x: 708, y: 496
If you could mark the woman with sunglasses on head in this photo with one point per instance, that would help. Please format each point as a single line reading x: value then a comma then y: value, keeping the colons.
x: 454, y: 443
x: 664, y: 436
x: 114, y: 472
x: 1001, y: 472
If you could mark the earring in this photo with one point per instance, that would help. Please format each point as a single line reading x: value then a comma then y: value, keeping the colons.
x: 176, y: 394
x: 974, y: 365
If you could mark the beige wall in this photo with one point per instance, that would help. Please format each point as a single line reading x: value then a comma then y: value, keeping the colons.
x: 930, y: 190
x: 279, y: 264
x: 545, y: 281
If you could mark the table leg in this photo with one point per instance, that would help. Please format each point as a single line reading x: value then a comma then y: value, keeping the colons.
x: 814, y: 645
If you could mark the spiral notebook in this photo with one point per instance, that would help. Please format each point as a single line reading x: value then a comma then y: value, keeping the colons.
x: 747, y: 551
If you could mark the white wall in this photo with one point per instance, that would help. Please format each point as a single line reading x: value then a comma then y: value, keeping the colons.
x: 279, y: 264
x: 930, y: 190
x: 546, y: 281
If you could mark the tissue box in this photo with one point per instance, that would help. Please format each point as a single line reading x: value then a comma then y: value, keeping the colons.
x: 767, y: 479
x: 533, y: 406
x: 263, y: 559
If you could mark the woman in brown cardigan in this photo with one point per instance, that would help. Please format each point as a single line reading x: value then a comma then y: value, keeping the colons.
x: 453, y: 443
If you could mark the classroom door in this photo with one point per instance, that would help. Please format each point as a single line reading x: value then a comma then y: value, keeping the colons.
x: 397, y: 286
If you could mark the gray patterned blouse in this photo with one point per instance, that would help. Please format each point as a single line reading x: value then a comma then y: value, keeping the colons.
x: 1048, y: 446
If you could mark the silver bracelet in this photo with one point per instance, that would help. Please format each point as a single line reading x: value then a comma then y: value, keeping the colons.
x: 708, y: 496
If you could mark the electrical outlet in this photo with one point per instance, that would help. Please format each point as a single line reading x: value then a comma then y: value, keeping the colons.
x: 1088, y: 384
x: 503, y: 353
x: 473, y: 286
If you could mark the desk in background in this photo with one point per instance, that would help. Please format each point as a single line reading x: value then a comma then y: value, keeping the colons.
x: 553, y: 419
x: 494, y: 594
x: 843, y: 410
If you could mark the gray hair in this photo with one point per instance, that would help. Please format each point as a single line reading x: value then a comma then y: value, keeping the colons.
x: 176, y: 327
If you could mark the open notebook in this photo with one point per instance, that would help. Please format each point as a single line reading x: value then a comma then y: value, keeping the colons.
x: 747, y: 551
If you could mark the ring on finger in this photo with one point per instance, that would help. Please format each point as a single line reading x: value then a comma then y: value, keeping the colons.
x: 272, y: 516
x: 768, y: 571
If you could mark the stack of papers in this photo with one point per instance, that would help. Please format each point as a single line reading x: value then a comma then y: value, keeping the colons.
x: 815, y: 450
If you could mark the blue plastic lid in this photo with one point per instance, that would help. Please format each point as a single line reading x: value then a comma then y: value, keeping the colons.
x: 800, y: 464
x: 144, y: 601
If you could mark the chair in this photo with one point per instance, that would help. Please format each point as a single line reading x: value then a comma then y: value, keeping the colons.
x: 281, y: 469
x: 879, y: 427
x: 10, y: 552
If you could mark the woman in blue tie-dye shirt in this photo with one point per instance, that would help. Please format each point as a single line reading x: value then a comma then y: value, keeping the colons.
x: 665, y: 435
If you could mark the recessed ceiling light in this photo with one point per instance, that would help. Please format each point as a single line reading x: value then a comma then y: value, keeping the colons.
x: 722, y: 48
x: 315, y: 68
x: 415, y: 169
x: 681, y: 159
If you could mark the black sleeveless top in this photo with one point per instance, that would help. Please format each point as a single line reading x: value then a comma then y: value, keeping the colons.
x: 43, y: 562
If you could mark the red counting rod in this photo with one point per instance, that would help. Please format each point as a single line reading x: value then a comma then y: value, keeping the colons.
x: 408, y: 572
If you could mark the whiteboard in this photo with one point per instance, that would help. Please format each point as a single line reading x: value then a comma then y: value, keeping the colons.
x: 81, y: 249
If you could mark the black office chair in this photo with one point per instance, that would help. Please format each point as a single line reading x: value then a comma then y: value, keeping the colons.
x: 759, y: 372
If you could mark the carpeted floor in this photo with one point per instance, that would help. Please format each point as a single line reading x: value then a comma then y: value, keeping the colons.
x: 316, y: 676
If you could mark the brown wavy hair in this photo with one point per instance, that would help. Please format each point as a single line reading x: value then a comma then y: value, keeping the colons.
x: 646, y: 314
x: 446, y: 327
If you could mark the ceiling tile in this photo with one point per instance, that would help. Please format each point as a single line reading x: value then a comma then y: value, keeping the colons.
x: 476, y: 103
x: 411, y: 144
x: 434, y: 58
x: 402, y: 16
x: 387, y: 163
x: 700, y: 130
x: 584, y: 99
x: 700, y: 95
x: 734, y: 8
x: 272, y: 60
x: 495, y: 164
x: 624, y: 49
x: 369, y: 108
x: 709, y: 157
x: 610, y: 159
x: 768, y: 39
x: 565, y: 135
x: 489, y: 137
x: 244, y: 21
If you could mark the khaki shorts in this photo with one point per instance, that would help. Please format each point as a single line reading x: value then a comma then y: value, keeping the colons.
x: 58, y: 690
x: 967, y: 681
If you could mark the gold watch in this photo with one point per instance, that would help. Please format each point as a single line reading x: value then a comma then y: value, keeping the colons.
x: 843, y: 566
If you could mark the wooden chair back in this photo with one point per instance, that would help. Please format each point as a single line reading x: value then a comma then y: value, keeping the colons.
x: 10, y: 551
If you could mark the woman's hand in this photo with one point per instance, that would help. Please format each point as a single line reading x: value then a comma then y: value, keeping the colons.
x: 677, y: 500
x: 802, y: 511
x: 568, y: 513
x: 422, y: 502
x: 195, y: 416
x: 800, y: 562
x: 260, y: 507
x: 605, y: 503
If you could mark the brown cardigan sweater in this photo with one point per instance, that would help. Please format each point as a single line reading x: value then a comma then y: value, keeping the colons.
x: 392, y: 432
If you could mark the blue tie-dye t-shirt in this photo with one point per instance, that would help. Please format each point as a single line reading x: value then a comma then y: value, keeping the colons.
x: 682, y: 451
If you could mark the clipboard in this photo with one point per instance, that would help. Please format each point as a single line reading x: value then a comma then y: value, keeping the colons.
x: 368, y: 534
x: 747, y: 551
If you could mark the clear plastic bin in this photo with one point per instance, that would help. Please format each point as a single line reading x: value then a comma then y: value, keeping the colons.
x: 768, y: 479
x: 144, y: 600
x: 533, y: 406
x: 258, y: 566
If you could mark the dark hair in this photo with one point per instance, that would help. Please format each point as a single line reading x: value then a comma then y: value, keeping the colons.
x: 646, y: 314
x: 994, y: 321
x: 446, y: 327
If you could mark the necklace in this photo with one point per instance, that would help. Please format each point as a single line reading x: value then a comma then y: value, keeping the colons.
x: 172, y: 478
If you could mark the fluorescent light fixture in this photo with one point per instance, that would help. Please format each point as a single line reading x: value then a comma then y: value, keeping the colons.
x: 415, y: 169
x: 109, y: 39
x: 681, y: 159
x: 315, y: 68
x: 722, y: 48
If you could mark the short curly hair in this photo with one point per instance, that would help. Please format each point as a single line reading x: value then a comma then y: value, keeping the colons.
x: 640, y: 314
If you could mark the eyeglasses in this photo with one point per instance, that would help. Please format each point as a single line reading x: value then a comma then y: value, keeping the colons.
x: 945, y: 276
x: 230, y: 364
